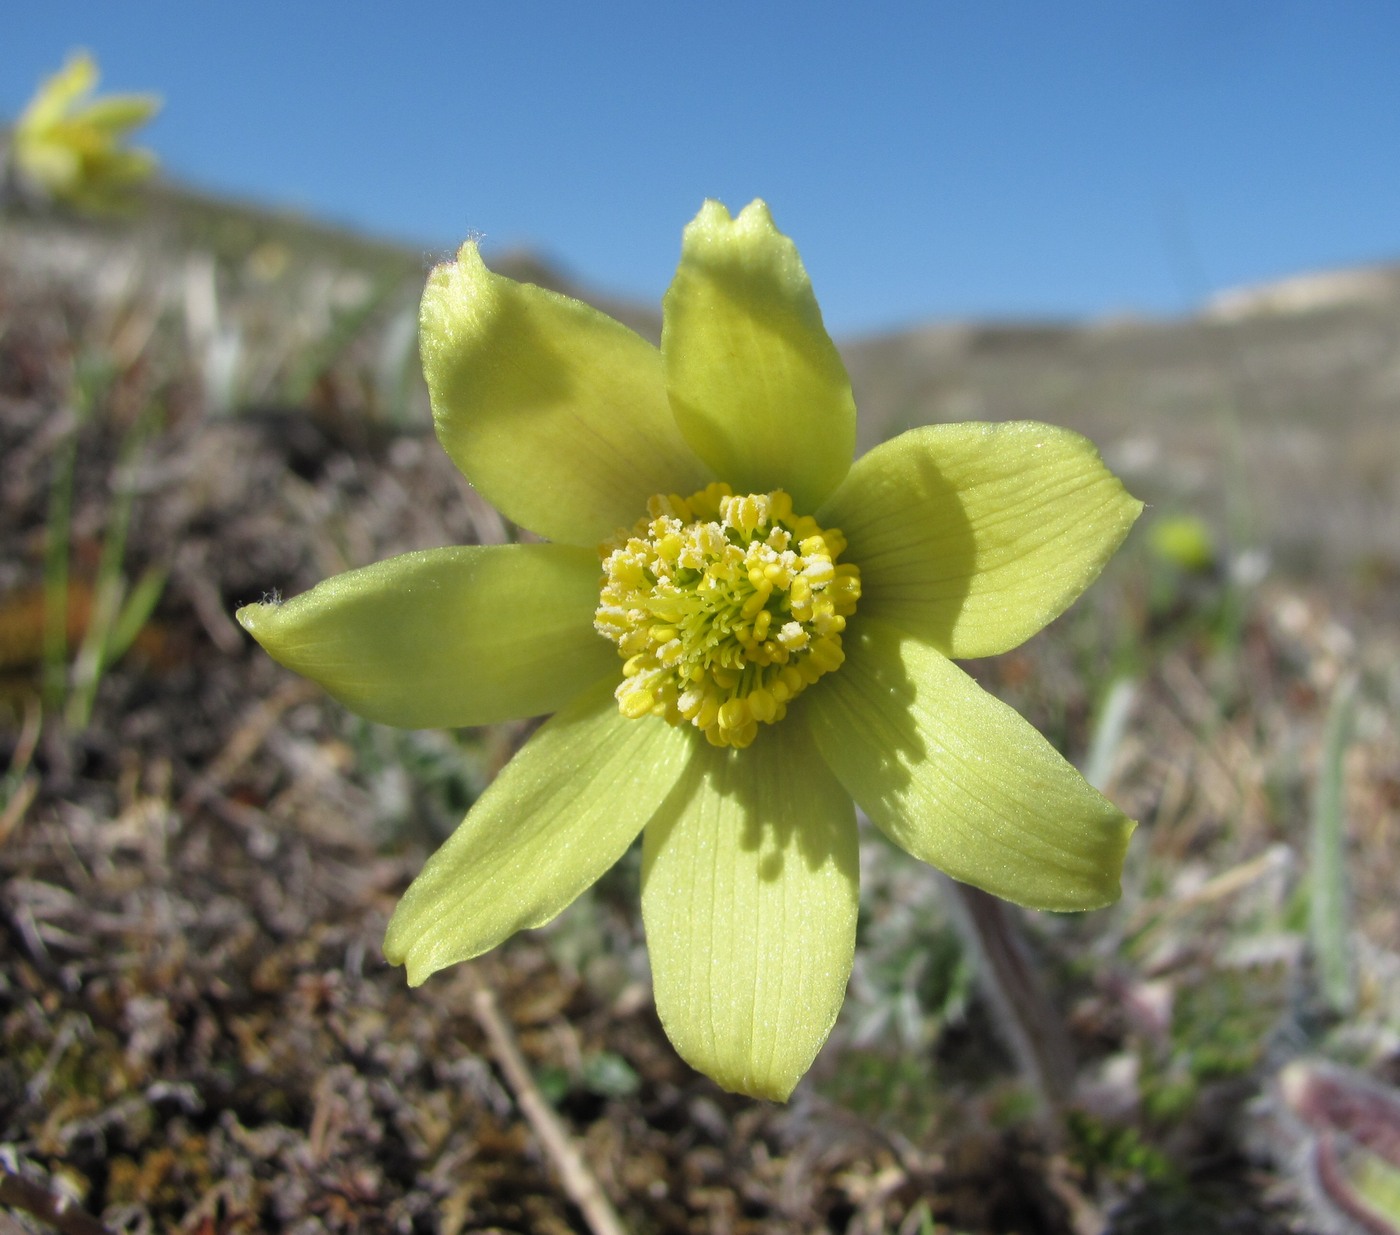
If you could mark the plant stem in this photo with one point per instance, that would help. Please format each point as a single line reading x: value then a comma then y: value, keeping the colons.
x: 1031, y: 1024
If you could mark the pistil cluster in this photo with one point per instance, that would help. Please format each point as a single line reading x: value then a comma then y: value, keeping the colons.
x: 724, y: 608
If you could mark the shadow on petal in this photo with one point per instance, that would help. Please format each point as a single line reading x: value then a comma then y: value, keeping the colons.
x: 777, y: 796
x: 908, y: 530
x: 871, y: 695
x: 555, y: 412
x: 960, y: 780
x: 750, y: 893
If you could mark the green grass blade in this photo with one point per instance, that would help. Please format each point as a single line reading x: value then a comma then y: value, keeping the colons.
x: 1110, y: 727
x: 1329, y: 914
x: 109, y: 590
x: 56, y: 550
x: 133, y: 615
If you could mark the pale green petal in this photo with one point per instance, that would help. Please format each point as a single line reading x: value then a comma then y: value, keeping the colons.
x: 959, y: 779
x: 560, y: 814
x: 447, y: 637
x: 114, y: 115
x: 555, y: 412
x: 750, y: 883
x: 59, y: 94
x: 974, y: 536
x: 755, y: 381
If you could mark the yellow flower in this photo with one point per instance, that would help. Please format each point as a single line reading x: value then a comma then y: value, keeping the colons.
x: 779, y: 632
x: 68, y: 146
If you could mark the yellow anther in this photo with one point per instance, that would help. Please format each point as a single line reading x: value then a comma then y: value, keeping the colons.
x: 757, y: 600
x: 723, y: 608
x: 709, y: 711
x: 762, y: 705
x: 826, y: 653
x: 746, y: 514
x: 793, y: 636
x: 733, y: 714
x: 636, y: 703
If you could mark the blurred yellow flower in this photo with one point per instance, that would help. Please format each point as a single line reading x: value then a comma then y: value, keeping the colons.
x: 779, y: 626
x: 67, y: 145
x: 1185, y: 541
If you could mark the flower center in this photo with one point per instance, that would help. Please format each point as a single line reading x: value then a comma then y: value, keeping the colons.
x: 724, y: 608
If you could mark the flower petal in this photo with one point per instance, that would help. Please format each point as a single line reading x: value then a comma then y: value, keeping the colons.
x: 974, y: 536
x: 59, y: 94
x: 750, y: 882
x: 555, y: 412
x: 560, y: 814
x: 959, y: 779
x: 447, y: 637
x: 757, y: 386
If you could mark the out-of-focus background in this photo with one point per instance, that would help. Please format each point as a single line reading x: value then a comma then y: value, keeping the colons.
x: 1170, y: 227
x: 936, y: 160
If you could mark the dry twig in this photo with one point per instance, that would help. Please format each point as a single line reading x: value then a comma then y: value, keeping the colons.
x: 57, y: 1211
x: 579, y: 1182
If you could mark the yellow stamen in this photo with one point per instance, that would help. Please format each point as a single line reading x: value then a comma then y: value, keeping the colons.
x: 724, y: 608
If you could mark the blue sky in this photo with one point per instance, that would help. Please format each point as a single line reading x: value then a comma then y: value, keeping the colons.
x: 991, y: 158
